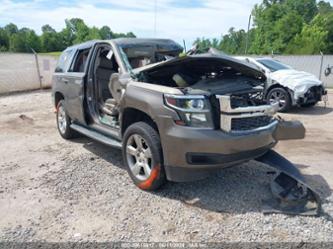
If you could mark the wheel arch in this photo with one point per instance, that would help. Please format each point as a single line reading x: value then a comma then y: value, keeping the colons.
x: 277, y: 85
x: 290, y: 95
x: 132, y: 115
x: 57, y: 97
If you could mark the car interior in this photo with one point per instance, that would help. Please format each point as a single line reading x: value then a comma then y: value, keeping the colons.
x: 106, y: 90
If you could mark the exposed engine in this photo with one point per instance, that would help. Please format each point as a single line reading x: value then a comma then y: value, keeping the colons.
x: 235, y: 90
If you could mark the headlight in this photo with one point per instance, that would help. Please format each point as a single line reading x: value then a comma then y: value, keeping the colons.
x: 194, y: 110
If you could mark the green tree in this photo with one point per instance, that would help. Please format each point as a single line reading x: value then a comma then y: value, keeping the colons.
x: 307, y: 9
x: 324, y: 7
x: 265, y: 17
x: 17, y: 42
x: 203, y: 44
x: 105, y: 33
x: 285, y: 30
x: 75, y: 31
x: 310, y: 41
x: 50, y: 39
x: 233, y: 42
x: 11, y: 28
x: 94, y: 34
x: 130, y: 35
x: 315, y: 37
x: 33, y: 41
x: 277, y: 23
x: 80, y: 31
x: 281, y: 26
x: 4, y: 40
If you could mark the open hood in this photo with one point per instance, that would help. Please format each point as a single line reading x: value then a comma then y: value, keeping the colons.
x: 214, y: 61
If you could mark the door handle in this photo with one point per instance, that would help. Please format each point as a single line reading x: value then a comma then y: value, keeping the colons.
x: 65, y: 81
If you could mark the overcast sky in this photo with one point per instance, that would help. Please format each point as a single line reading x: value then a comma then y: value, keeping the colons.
x: 176, y: 19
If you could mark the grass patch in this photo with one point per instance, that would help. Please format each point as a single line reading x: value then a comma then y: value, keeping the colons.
x: 57, y: 54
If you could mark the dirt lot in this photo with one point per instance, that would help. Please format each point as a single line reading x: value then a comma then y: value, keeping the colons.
x: 57, y: 190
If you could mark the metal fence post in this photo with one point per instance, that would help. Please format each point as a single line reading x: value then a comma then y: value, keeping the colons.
x: 325, y: 97
x: 247, y: 35
x: 321, y: 64
x: 38, y: 70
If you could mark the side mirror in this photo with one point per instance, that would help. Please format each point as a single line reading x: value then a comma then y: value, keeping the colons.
x: 123, y: 79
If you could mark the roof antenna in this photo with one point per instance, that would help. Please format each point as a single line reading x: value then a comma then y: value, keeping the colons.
x: 184, y: 43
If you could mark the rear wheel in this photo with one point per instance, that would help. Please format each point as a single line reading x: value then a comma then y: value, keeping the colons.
x: 64, y: 121
x: 142, y: 154
x: 281, y: 96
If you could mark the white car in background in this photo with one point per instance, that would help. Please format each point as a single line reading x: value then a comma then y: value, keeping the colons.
x: 286, y: 85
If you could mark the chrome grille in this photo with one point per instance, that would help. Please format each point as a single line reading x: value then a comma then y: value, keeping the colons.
x: 245, y: 118
x: 250, y: 123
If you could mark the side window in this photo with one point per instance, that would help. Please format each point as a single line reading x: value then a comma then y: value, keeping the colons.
x: 80, y: 61
x: 63, y: 61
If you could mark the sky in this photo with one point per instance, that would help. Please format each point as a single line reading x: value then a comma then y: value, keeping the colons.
x: 175, y: 19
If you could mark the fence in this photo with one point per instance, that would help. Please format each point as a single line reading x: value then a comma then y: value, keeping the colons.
x: 19, y: 72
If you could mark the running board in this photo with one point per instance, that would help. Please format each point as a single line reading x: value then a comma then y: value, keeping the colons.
x: 97, y: 136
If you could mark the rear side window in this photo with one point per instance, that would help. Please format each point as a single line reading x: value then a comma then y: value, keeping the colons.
x: 80, y: 61
x: 64, y: 61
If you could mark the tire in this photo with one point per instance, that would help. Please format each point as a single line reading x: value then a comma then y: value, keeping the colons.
x: 64, y: 121
x: 281, y: 95
x: 307, y: 105
x: 142, y: 154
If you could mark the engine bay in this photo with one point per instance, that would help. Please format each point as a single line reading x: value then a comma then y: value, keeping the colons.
x: 206, y: 75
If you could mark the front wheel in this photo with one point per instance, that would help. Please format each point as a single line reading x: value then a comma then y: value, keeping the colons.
x: 281, y: 96
x: 142, y: 154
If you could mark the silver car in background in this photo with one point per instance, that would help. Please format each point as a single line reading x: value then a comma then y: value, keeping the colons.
x: 286, y: 85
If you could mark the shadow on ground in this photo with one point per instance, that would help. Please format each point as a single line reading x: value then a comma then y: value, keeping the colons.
x: 239, y: 189
x: 314, y: 111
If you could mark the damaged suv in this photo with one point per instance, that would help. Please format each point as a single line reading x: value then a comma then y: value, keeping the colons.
x: 176, y: 117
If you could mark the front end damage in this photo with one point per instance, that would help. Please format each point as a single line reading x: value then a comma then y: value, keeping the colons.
x: 292, y: 195
x: 235, y: 93
x: 304, y: 88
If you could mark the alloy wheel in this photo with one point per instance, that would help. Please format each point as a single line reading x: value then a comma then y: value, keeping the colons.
x: 62, y: 122
x: 278, y: 96
x: 139, y: 157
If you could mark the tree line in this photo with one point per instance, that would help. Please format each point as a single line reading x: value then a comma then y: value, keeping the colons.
x: 281, y: 27
x: 76, y: 31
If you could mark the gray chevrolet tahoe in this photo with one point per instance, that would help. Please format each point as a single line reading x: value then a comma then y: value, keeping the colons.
x: 175, y: 116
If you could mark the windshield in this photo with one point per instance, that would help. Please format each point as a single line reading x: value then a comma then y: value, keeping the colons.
x: 136, y: 56
x: 273, y: 65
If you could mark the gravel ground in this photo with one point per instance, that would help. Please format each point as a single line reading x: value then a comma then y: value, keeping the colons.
x: 57, y: 190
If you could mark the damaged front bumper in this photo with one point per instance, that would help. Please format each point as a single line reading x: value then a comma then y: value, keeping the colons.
x: 312, y: 95
x: 287, y: 130
x: 245, y: 133
x: 292, y: 195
